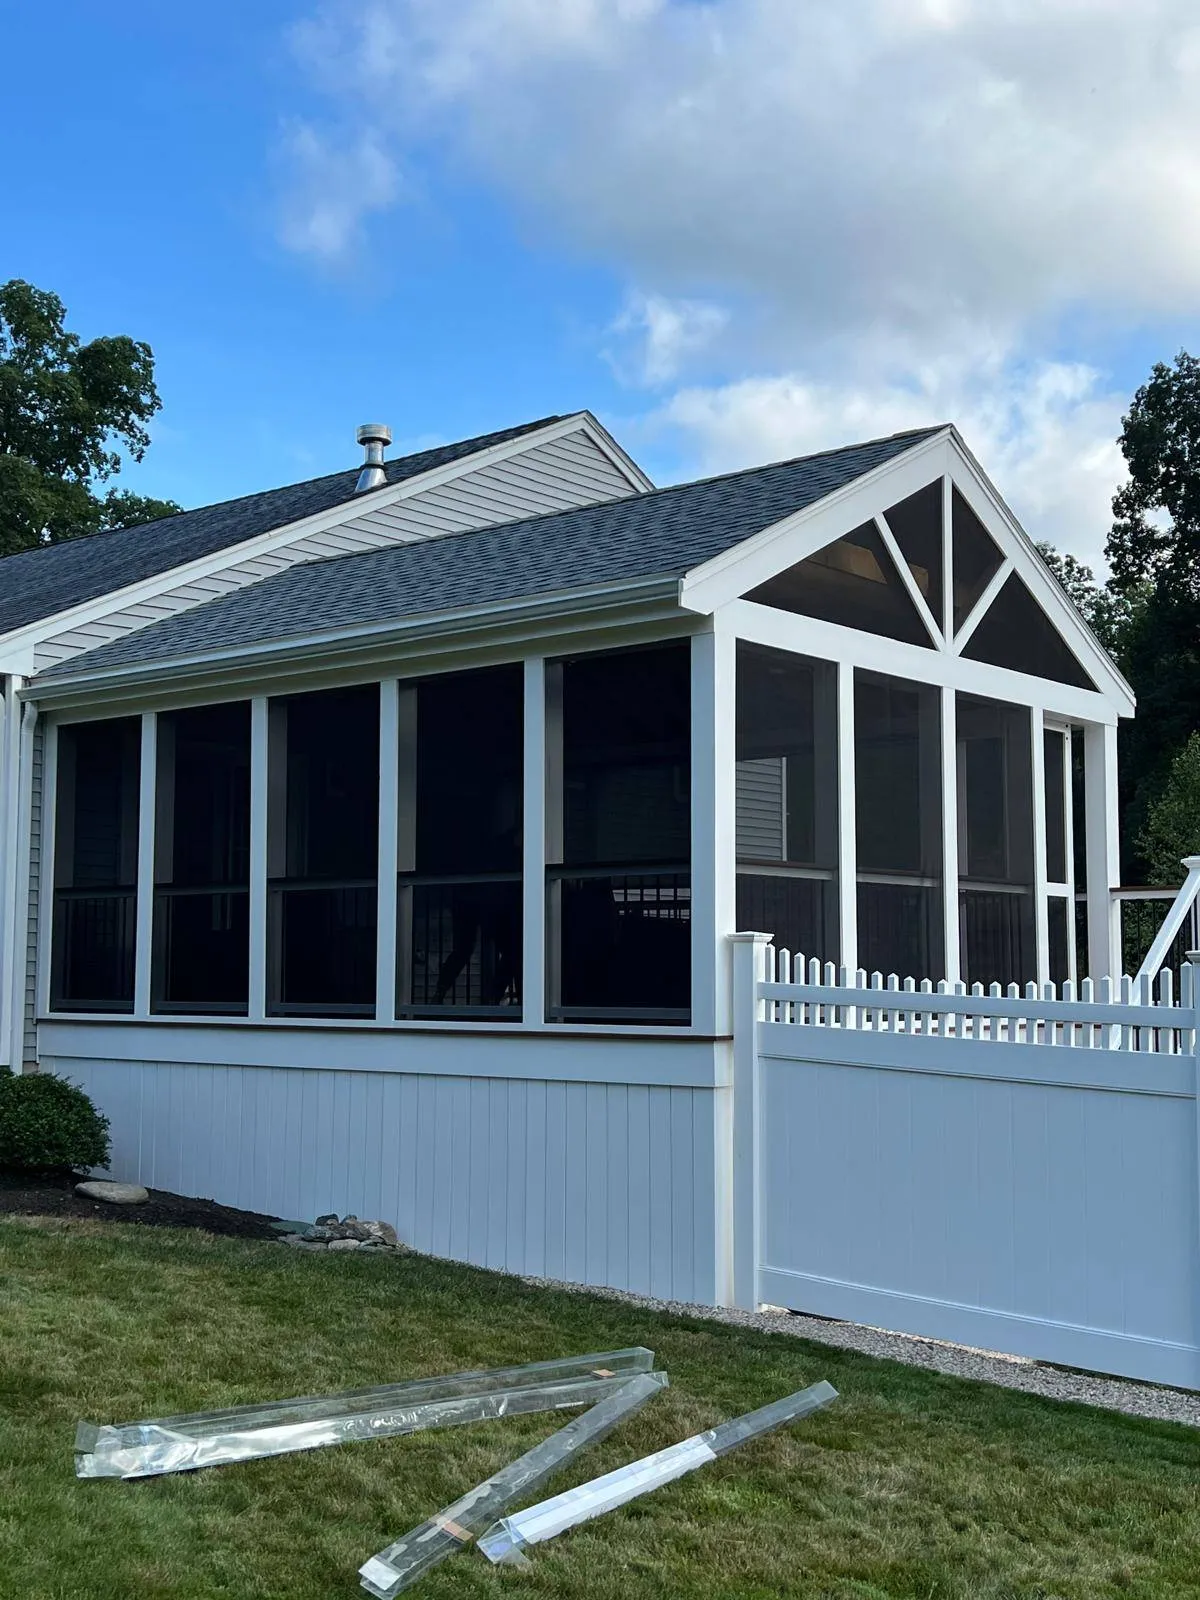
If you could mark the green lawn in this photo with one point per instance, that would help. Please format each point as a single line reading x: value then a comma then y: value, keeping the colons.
x: 912, y: 1485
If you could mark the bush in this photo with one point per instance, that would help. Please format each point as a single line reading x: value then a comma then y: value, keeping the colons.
x: 46, y: 1122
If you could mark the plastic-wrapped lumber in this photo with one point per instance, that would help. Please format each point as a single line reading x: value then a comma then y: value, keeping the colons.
x: 451, y: 1530
x: 244, y: 1433
x: 506, y: 1539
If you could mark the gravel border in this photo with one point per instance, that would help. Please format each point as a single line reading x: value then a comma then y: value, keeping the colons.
x: 956, y: 1360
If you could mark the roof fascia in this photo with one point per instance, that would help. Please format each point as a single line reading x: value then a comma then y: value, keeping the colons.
x: 989, y: 506
x: 728, y: 576
x: 263, y: 543
x: 601, y: 605
x: 607, y: 445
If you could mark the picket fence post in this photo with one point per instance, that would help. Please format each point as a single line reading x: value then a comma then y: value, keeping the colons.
x: 1190, y: 996
x: 749, y: 970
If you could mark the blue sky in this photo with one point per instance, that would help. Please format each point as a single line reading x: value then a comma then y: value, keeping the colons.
x: 735, y: 229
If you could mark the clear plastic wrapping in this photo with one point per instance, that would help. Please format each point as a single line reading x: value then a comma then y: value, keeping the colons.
x: 507, y: 1538
x: 450, y: 1530
x: 243, y: 1433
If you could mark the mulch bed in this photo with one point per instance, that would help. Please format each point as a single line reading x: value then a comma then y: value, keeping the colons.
x: 53, y: 1195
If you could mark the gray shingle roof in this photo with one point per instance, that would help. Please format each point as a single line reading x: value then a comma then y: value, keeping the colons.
x: 38, y: 583
x: 663, y: 533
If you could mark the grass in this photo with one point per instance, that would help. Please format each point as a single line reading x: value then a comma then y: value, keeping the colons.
x: 912, y: 1485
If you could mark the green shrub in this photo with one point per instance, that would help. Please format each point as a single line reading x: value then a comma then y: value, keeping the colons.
x: 46, y: 1122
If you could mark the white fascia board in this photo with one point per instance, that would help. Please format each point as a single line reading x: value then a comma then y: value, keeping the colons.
x: 872, y: 652
x: 989, y: 506
x: 600, y: 606
x: 608, y: 446
x: 261, y: 544
x: 17, y: 660
x: 731, y: 574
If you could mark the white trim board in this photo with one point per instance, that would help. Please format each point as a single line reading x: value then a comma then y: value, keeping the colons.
x: 728, y: 577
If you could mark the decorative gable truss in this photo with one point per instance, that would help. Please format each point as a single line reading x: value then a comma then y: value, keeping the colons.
x: 919, y: 570
x: 569, y: 463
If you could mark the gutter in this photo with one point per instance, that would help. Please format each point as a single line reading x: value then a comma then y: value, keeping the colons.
x: 659, y: 595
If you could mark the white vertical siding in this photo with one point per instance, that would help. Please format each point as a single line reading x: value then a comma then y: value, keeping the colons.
x: 601, y: 1183
x: 555, y: 476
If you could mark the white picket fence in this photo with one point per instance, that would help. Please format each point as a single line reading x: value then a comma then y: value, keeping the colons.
x: 1012, y: 1169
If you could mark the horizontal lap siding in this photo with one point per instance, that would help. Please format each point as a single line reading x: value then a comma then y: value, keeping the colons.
x: 566, y: 472
x: 609, y: 1184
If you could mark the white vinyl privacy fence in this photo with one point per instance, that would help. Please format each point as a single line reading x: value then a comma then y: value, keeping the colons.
x: 1015, y: 1170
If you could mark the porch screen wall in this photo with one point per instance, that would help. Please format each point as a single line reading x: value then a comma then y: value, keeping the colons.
x: 459, y: 914
x: 323, y: 853
x: 95, y: 874
x: 787, y: 800
x: 995, y: 835
x: 618, y: 736
x: 897, y: 754
x: 201, y: 959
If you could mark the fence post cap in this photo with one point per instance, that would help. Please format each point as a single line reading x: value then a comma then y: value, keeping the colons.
x: 1190, y: 862
x: 1194, y: 957
x: 751, y: 938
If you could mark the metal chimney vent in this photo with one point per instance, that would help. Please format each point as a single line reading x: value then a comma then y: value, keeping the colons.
x: 376, y: 436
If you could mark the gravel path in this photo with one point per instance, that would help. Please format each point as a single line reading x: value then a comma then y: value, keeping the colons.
x: 1011, y: 1372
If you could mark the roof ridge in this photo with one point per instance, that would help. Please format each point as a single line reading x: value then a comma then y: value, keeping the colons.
x: 644, y: 494
x: 502, y: 434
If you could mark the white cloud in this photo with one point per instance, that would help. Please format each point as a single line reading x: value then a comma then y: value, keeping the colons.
x: 654, y: 336
x: 1046, y: 434
x: 889, y: 186
x: 335, y: 186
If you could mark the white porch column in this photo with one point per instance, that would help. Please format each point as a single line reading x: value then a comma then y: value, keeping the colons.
x: 1102, y: 838
x: 949, y: 731
x: 9, y: 735
x: 389, y: 800
x: 714, y: 825
x: 144, y: 922
x: 533, y: 907
x: 259, y: 742
x: 847, y: 869
x: 1041, y: 911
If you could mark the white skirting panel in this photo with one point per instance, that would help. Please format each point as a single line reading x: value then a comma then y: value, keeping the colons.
x: 602, y: 1183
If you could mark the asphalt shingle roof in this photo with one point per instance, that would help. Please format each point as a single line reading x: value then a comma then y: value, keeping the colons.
x: 37, y: 583
x: 663, y: 533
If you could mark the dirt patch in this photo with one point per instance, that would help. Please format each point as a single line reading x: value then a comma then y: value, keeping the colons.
x: 54, y: 1196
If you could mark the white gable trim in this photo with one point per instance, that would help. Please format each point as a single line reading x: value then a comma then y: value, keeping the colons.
x: 731, y: 574
x: 15, y: 645
x: 736, y: 572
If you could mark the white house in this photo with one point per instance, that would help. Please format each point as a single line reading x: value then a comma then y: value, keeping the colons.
x: 375, y: 845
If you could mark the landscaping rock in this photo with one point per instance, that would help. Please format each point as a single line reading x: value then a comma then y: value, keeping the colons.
x: 116, y: 1194
x: 381, y: 1233
x: 282, y: 1226
x: 323, y: 1222
x: 344, y: 1244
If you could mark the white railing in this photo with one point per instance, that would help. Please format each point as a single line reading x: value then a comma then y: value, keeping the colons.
x: 1184, y: 913
x: 1128, y: 1014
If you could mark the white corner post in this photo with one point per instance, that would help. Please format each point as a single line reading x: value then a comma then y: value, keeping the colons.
x: 9, y: 749
x: 847, y: 875
x: 1041, y: 909
x: 714, y: 806
x: 20, y: 756
x: 1103, y: 849
x: 144, y: 918
x: 259, y: 753
x: 389, y: 836
x: 749, y: 971
x: 949, y: 731
x: 533, y: 877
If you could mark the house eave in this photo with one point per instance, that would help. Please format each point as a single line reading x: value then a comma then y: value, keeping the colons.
x: 604, y: 606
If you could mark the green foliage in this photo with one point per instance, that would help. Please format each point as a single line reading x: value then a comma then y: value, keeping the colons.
x: 1110, y: 612
x: 64, y: 407
x: 48, y: 1123
x: 1172, y: 828
x: 1156, y: 534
